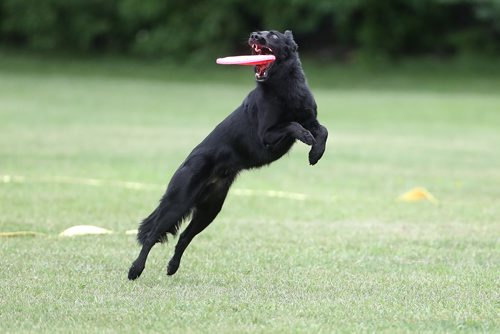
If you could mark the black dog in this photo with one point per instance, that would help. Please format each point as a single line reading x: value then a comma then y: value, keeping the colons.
x: 280, y: 110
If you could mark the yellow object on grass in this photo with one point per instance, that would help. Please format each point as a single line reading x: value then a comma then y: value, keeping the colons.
x: 83, y: 230
x: 18, y: 234
x: 416, y: 195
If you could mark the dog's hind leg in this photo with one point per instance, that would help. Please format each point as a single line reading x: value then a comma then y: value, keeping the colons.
x: 168, y: 223
x: 183, y: 191
x: 138, y: 265
x: 204, y: 213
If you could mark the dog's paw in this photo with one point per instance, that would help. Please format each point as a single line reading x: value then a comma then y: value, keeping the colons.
x: 307, y: 138
x: 315, y: 154
x: 134, y: 272
x: 172, y: 268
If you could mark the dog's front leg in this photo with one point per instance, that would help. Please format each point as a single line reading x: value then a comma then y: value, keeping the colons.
x: 275, y: 135
x: 320, y: 133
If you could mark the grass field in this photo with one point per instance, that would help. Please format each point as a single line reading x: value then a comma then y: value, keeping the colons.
x: 343, y: 256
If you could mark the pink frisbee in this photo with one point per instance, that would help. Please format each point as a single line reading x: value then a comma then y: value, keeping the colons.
x: 246, y: 60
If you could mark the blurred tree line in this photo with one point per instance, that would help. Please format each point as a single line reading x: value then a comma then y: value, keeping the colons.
x: 196, y: 28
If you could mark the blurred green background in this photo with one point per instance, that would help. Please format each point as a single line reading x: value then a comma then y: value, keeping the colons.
x: 343, y: 29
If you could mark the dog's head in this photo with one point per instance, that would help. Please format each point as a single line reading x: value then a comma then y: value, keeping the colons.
x: 282, y: 46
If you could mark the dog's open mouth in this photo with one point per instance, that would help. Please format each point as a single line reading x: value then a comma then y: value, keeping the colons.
x: 261, y: 71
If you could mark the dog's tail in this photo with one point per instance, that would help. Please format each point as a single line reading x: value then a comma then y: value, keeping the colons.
x: 157, y: 222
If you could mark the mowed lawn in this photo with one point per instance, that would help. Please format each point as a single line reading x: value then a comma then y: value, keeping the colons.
x: 295, y: 249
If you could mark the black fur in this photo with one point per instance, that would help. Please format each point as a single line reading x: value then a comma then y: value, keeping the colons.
x: 280, y: 110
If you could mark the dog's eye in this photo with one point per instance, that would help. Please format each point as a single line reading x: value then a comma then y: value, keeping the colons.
x: 275, y: 37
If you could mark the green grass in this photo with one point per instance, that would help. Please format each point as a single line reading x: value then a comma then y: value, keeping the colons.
x: 349, y: 258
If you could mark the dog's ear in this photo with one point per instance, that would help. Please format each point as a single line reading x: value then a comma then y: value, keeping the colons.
x: 290, y: 40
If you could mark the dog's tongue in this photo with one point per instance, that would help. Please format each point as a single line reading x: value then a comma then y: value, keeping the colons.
x: 246, y: 60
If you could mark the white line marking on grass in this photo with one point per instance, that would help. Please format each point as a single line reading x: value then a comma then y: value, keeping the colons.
x: 270, y: 193
x: 59, y: 179
x: 145, y: 186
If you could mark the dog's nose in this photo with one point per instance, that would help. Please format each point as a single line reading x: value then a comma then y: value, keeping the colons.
x: 256, y: 36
